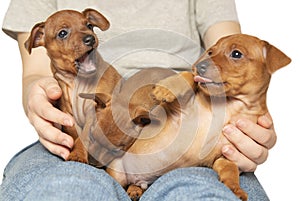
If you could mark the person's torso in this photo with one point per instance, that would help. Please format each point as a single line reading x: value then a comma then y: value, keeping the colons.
x: 146, y: 33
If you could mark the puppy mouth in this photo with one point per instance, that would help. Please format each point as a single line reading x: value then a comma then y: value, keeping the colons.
x: 207, y: 81
x: 86, y: 63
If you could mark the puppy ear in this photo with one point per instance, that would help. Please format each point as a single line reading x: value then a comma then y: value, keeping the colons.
x: 275, y: 59
x: 36, y: 37
x: 96, y: 19
x: 100, y: 98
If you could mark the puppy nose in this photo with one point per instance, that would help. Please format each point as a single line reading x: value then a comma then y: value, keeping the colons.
x: 202, y: 67
x: 89, y: 40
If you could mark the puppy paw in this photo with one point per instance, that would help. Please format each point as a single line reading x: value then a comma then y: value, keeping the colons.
x: 78, y: 156
x: 134, y: 192
x: 236, y: 189
x: 241, y: 194
x: 162, y: 94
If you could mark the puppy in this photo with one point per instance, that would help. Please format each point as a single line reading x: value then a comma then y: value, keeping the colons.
x: 124, y: 114
x: 72, y: 45
x: 228, y: 82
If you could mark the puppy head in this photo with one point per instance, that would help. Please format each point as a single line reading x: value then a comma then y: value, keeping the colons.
x: 113, y: 120
x: 238, y: 65
x: 69, y: 39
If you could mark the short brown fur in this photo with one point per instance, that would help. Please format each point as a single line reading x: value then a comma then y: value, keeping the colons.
x: 72, y: 45
x: 233, y: 78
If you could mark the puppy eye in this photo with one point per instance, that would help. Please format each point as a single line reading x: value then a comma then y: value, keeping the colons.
x: 63, y: 34
x: 236, y: 54
x: 90, y: 26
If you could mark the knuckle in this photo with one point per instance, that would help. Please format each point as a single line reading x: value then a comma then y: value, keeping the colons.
x: 268, y: 140
x: 261, y: 156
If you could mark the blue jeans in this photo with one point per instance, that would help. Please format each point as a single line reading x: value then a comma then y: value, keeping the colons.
x: 36, y: 174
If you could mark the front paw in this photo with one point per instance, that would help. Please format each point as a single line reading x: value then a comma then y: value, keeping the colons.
x: 162, y: 94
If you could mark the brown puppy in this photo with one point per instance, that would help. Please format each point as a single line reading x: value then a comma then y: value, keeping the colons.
x: 72, y: 45
x: 122, y: 115
x: 232, y: 79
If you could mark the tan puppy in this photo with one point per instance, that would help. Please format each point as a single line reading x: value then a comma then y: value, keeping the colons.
x: 122, y: 115
x: 232, y: 79
x: 72, y: 45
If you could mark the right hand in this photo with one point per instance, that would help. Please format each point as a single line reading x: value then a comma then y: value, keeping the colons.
x: 44, y: 116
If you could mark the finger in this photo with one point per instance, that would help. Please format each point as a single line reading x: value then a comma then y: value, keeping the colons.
x: 265, y: 121
x: 38, y: 103
x: 247, y: 146
x: 53, y: 139
x: 264, y: 136
x: 55, y: 149
x: 39, y: 106
x: 50, y: 133
x: 244, y: 164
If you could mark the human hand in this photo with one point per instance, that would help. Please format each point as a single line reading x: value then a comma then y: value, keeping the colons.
x: 250, y: 142
x: 43, y: 116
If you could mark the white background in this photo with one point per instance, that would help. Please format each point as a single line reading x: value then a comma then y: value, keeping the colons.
x: 272, y: 20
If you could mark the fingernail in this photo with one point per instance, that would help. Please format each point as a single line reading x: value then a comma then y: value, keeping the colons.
x: 55, y: 89
x: 68, y: 122
x: 64, y: 155
x: 227, y: 150
x: 228, y: 129
x: 266, y: 120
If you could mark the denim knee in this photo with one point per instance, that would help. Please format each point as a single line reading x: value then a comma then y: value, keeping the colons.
x: 196, y: 183
x: 36, y: 174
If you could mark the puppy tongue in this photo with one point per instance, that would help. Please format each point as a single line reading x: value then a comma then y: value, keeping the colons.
x: 200, y: 79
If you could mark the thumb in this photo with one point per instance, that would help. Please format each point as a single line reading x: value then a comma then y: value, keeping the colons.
x: 51, y: 88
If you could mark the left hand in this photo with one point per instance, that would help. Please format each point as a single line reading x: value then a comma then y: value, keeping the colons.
x: 250, y: 142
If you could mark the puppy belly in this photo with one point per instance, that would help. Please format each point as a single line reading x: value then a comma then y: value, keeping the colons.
x: 147, y: 170
x: 186, y: 141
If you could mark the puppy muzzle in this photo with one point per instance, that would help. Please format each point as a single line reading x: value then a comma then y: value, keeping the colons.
x: 89, y: 40
x: 202, y: 66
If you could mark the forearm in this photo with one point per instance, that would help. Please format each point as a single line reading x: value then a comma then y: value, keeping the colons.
x: 219, y: 30
x: 35, y: 67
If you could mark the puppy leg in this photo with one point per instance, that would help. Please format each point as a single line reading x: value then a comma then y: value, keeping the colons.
x: 229, y: 175
x: 179, y: 86
x: 79, y: 152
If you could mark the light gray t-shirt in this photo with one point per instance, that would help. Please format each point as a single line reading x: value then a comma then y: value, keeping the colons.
x: 142, y: 34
